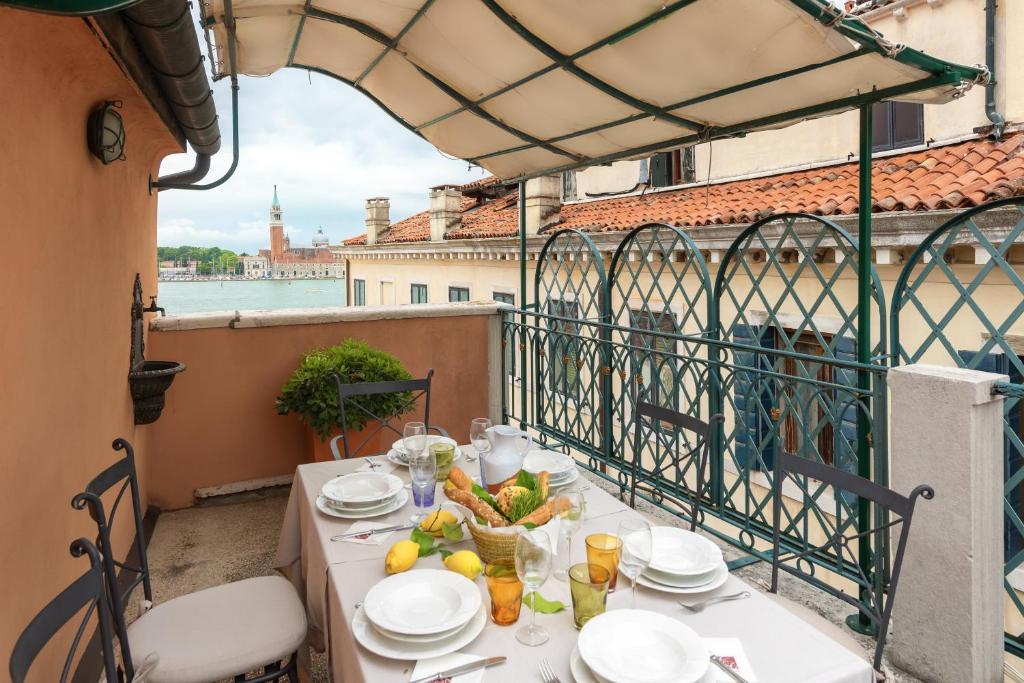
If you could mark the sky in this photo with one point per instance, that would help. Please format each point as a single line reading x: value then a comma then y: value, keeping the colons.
x: 327, y: 148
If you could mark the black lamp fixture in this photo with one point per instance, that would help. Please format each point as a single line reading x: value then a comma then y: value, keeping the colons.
x: 105, y: 132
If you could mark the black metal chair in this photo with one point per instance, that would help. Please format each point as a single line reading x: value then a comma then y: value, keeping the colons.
x: 680, y: 443
x: 226, y: 631
x: 893, y: 512
x: 87, y: 593
x: 415, y: 388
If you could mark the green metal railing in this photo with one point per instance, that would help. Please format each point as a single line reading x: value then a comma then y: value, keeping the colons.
x: 771, y: 343
x: 939, y: 316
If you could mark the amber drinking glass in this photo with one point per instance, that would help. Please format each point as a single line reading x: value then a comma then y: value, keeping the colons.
x: 588, y: 584
x: 506, y: 592
x: 605, y: 550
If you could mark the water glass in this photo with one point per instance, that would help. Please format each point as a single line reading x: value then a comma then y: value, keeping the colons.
x: 569, y: 524
x: 605, y: 550
x: 444, y: 454
x: 423, y: 472
x: 481, y: 442
x: 637, y: 544
x: 414, y: 437
x: 588, y: 584
x: 533, y: 565
x: 506, y: 591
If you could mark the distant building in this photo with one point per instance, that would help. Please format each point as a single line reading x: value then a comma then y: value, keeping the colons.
x: 283, y: 261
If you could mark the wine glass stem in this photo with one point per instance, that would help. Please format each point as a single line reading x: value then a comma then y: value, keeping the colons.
x: 533, y: 614
x: 633, y: 580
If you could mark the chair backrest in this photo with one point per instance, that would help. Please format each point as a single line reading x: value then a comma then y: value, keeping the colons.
x: 87, y: 593
x: 122, y: 576
x: 677, y: 446
x: 892, y: 512
x: 415, y: 388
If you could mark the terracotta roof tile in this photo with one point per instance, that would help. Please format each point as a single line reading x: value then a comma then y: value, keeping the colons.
x: 955, y: 176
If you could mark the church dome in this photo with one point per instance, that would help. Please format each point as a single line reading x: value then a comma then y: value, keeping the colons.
x: 320, y: 239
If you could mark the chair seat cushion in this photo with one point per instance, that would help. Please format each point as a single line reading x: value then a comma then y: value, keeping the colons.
x: 820, y: 623
x: 221, y: 631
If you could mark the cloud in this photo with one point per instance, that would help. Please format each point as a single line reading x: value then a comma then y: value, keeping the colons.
x: 324, y: 145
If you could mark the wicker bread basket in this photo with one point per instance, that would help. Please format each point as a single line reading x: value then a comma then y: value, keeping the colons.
x: 493, y: 545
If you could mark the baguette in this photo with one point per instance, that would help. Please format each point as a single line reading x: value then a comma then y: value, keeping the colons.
x: 545, y: 512
x: 460, y: 479
x: 479, y: 507
x: 542, y: 481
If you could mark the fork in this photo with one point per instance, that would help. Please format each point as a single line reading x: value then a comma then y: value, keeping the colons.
x: 547, y: 674
x: 698, y: 607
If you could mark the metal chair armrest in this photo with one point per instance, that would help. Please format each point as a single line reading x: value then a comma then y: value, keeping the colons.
x: 440, y: 430
x: 334, y: 448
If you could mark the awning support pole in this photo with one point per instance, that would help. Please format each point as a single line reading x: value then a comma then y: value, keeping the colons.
x: 859, y: 622
x: 522, y: 303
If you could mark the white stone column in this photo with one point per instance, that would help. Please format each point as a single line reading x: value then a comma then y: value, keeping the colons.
x: 947, y: 431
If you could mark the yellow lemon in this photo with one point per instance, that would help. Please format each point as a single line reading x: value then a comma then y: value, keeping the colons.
x: 401, y: 557
x: 465, y: 562
x: 435, y: 521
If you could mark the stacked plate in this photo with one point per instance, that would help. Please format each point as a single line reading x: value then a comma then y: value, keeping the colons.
x: 683, y: 562
x: 636, y: 646
x: 561, y: 467
x: 419, y: 614
x: 399, y: 455
x: 362, y: 494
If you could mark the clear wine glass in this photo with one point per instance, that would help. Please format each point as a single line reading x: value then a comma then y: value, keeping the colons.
x: 414, y: 437
x: 422, y: 467
x: 533, y: 565
x: 637, y: 548
x: 481, y: 441
x: 570, y: 522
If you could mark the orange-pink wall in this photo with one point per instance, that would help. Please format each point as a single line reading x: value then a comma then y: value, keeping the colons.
x: 220, y: 425
x: 78, y: 232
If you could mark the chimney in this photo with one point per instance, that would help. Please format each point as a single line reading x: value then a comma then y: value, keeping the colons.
x: 445, y: 211
x: 377, y: 219
x: 543, y: 202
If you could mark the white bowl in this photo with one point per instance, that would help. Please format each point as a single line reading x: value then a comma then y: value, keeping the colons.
x: 431, y: 439
x: 422, y: 601
x: 682, y: 553
x: 362, y: 489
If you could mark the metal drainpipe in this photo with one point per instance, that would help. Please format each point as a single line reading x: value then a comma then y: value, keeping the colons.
x: 998, y: 122
x: 186, y: 180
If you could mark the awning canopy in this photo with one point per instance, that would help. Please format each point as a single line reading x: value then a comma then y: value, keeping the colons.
x: 527, y: 87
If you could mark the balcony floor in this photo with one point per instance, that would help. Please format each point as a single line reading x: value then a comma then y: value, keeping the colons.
x: 234, y: 537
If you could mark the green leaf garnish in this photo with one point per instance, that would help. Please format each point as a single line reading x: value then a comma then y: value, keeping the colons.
x: 452, y: 532
x: 424, y: 540
x: 444, y: 553
x: 527, y: 480
x: 536, y: 601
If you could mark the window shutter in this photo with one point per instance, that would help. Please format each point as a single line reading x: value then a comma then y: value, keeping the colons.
x: 754, y: 399
x: 844, y: 407
x: 661, y: 169
x: 907, y: 124
x: 1013, y: 541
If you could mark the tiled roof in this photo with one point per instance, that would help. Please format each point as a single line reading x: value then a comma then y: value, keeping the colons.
x: 948, y: 177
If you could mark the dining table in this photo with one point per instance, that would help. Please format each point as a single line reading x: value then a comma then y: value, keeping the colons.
x: 333, y: 576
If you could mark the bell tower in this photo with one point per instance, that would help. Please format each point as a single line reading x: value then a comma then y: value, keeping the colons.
x: 277, y: 240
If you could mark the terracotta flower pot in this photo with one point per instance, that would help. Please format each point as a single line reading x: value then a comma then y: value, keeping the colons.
x: 320, y: 451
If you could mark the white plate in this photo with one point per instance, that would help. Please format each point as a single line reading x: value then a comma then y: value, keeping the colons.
x: 422, y: 601
x: 542, y: 460
x: 683, y: 553
x: 364, y: 510
x: 581, y: 674
x: 362, y: 488
x: 572, y: 476
x: 637, y: 646
x: 375, y: 642
x: 431, y: 439
x: 399, y: 501
x: 721, y: 575
x: 426, y: 638
x: 397, y: 458
x: 695, y: 581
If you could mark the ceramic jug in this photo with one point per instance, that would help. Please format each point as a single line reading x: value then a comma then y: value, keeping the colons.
x: 509, y: 447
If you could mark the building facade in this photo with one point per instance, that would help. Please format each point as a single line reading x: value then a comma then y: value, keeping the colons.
x: 282, y: 261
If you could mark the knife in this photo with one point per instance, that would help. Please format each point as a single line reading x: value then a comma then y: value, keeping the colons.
x: 717, y: 661
x: 464, y: 669
x: 371, y: 532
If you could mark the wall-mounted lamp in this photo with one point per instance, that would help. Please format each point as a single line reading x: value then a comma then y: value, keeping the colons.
x: 105, y: 132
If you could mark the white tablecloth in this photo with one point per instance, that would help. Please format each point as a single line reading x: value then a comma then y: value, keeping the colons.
x: 334, y: 576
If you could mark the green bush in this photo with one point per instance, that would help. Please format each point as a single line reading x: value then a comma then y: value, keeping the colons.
x: 312, y: 393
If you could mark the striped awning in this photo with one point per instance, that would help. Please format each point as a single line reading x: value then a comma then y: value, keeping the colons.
x: 528, y: 87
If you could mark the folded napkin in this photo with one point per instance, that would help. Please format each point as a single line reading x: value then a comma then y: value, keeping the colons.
x: 375, y: 539
x: 435, y: 665
x: 731, y: 651
x: 377, y: 463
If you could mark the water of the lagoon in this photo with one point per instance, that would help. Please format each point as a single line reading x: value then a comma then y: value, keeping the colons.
x: 232, y: 295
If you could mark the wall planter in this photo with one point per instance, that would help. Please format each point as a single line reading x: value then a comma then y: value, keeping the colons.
x: 319, y: 450
x: 312, y: 394
x: 148, y: 380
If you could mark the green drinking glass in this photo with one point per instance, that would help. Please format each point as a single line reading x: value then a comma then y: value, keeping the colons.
x: 588, y: 584
x: 445, y: 454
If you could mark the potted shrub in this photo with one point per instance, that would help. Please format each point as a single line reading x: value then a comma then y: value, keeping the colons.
x: 312, y: 394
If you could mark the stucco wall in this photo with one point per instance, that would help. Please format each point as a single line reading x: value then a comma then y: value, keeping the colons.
x: 65, y: 342
x: 220, y: 425
x: 482, y: 277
